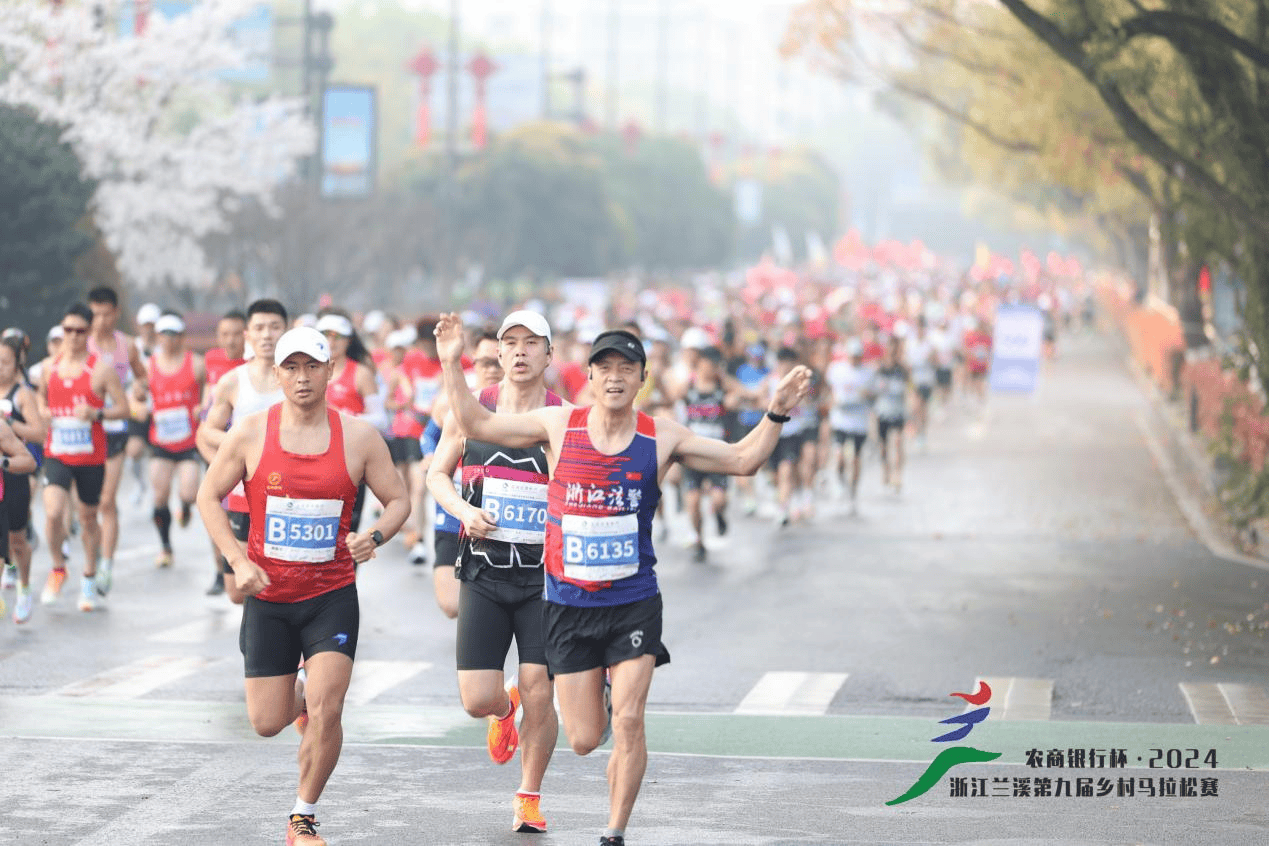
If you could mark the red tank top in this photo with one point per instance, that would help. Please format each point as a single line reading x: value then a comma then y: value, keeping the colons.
x: 218, y: 364
x: 341, y: 392
x: 176, y: 402
x: 301, y: 510
x: 71, y: 440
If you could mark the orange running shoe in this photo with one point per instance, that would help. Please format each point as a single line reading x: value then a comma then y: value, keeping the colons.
x: 503, y: 737
x: 528, y: 815
x: 53, y: 586
x: 301, y: 830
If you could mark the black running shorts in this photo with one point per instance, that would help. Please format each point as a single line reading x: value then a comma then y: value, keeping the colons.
x: 580, y: 639
x: 17, y: 502
x: 405, y: 450
x: 88, y: 479
x: 857, y: 437
x: 159, y: 452
x: 116, y: 443
x: 274, y: 635
x: 694, y: 479
x: 240, y: 522
x: 788, y: 448
x: 445, y: 545
x: 489, y: 613
x: 886, y: 424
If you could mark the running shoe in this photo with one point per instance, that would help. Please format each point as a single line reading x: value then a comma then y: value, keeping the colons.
x: 164, y: 559
x: 503, y: 737
x: 698, y: 552
x: 606, y: 735
x: 9, y: 580
x: 183, y: 521
x: 301, y: 830
x: 217, y: 585
x: 612, y: 841
x: 528, y: 816
x: 53, y: 587
x: 88, y: 594
x: 105, y: 576
x: 722, y: 522
x: 22, y: 608
x: 418, y: 553
x: 301, y: 680
x: 66, y: 549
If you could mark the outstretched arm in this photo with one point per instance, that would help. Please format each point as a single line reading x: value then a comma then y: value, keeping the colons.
x: 710, y: 455
x: 476, y: 421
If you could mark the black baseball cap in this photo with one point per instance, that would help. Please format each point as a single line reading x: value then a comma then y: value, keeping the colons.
x: 621, y: 341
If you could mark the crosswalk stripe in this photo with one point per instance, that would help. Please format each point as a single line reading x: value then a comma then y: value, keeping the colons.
x: 215, y: 626
x: 134, y: 680
x: 1227, y: 704
x: 1018, y: 698
x: 371, y: 678
x: 792, y: 693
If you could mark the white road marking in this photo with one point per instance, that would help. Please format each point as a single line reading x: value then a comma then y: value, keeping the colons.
x: 1227, y: 704
x: 1017, y: 698
x: 219, y: 624
x: 134, y: 680
x: 371, y: 678
x: 792, y: 693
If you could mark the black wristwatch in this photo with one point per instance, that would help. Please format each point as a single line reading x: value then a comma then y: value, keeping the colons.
x: 377, y: 537
x: 778, y: 418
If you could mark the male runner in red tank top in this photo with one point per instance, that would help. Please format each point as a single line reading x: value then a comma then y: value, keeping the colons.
x: 176, y: 377
x: 301, y: 462
x: 72, y: 395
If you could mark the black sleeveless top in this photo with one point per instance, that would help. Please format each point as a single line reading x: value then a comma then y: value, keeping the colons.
x: 512, y: 484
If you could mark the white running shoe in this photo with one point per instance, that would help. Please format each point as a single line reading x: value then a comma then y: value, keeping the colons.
x: 418, y: 553
x: 22, y: 608
x: 88, y: 594
x: 9, y: 580
x: 105, y: 576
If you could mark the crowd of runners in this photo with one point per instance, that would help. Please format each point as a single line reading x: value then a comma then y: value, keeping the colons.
x: 523, y: 455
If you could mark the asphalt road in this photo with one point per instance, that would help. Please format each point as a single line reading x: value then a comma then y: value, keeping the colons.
x: 1036, y: 545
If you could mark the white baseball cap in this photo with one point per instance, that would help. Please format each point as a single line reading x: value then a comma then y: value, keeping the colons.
x: 694, y: 338
x: 400, y: 339
x: 55, y: 332
x: 302, y: 339
x: 170, y: 323
x: 530, y: 320
x: 148, y: 313
x: 336, y: 323
x: 373, y: 321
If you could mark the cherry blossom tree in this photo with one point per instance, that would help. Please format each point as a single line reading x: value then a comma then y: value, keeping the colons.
x: 174, y: 148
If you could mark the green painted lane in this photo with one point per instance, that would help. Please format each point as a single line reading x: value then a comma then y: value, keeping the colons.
x: 832, y: 737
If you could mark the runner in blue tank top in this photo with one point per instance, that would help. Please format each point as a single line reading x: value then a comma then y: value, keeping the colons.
x: 603, y: 607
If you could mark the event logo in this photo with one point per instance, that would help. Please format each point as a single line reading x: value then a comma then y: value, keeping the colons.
x: 954, y: 755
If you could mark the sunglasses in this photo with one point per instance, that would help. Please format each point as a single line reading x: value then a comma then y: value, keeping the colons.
x: 75, y: 330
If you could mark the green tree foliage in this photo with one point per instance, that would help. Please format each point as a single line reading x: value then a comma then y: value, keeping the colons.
x: 538, y: 197
x: 1170, y: 101
x: 673, y: 216
x: 44, y: 225
x: 800, y: 194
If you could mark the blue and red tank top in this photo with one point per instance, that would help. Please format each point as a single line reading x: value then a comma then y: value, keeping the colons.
x: 301, y: 510
x: 599, y: 519
x: 176, y: 400
x: 512, y: 484
x: 70, y: 440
